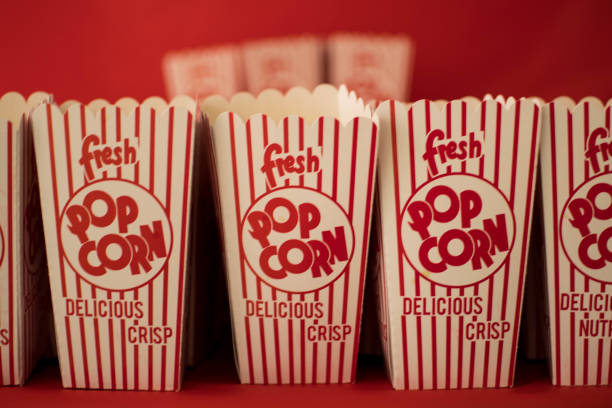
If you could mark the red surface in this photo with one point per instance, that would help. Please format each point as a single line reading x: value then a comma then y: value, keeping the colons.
x: 214, y: 384
x: 113, y: 48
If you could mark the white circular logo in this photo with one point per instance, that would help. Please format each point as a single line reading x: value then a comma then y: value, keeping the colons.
x: 586, y: 228
x: 115, y: 234
x: 457, y: 230
x: 297, y: 240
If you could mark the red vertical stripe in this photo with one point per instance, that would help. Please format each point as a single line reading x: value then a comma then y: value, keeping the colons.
x: 350, y: 215
x: 449, y: 121
x: 84, y: 352
x: 302, y: 348
x: 396, y: 191
x: 398, y: 231
x: 249, y: 351
x: 464, y: 129
x: 331, y: 287
x: 447, y: 383
x: 517, y: 121
x: 9, y: 306
x: 570, y: 129
x: 151, y: 189
x: 600, y: 349
x: 460, y: 350
x: 82, y: 118
x: 165, y: 271
x: 585, y: 358
x: 121, y: 294
x: 11, y: 270
x: 111, y: 345
x: 109, y: 293
x: 472, y: 352
x: 137, y: 181
x: 315, y: 345
x: 103, y: 135
x: 483, y: 124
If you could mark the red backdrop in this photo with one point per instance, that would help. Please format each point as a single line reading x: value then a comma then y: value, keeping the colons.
x: 113, y: 48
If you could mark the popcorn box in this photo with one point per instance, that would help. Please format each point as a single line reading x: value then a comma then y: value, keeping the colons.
x: 576, y: 159
x: 115, y: 182
x: 456, y: 187
x: 283, y: 63
x: 24, y: 291
x: 295, y: 179
x: 377, y: 67
x: 204, y: 71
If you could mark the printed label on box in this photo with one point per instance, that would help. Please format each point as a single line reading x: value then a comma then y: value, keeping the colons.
x: 456, y: 192
x: 576, y: 179
x: 116, y: 194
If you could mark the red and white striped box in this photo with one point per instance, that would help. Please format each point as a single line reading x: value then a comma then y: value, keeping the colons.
x: 576, y: 163
x: 295, y: 179
x: 376, y: 67
x: 115, y: 182
x: 456, y: 185
x: 24, y: 289
x: 202, y: 72
x: 283, y: 63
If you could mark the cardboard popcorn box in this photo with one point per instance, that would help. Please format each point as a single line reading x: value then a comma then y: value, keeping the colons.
x: 576, y: 162
x: 203, y: 71
x: 283, y: 63
x: 376, y: 67
x: 24, y: 289
x: 115, y: 182
x: 295, y: 179
x: 456, y: 187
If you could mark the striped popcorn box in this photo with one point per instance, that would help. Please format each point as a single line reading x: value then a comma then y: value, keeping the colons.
x: 295, y: 179
x: 24, y: 288
x: 576, y: 162
x: 376, y: 67
x: 456, y: 185
x: 283, y: 63
x: 115, y: 182
x: 203, y: 71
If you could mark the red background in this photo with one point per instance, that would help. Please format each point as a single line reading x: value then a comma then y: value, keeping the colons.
x: 113, y: 48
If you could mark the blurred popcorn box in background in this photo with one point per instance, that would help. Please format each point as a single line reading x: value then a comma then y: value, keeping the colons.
x: 295, y: 181
x: 204, y: 71
x: 24, y: 285
x: 115, y: 183
x: 376, y: 67
x: 283, y: 63
x: 456, y: 187
x: 576, y: 178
